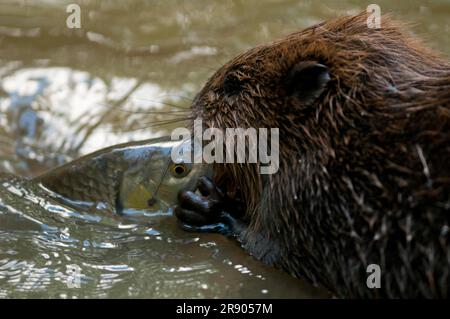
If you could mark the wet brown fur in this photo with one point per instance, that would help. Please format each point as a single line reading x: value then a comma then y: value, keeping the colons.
x: 364, y: 172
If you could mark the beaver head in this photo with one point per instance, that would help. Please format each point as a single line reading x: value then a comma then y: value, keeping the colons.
x: 315, y: 83
x: 360, y: 112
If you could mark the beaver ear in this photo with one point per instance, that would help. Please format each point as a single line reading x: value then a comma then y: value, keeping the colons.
x: 307, y: 81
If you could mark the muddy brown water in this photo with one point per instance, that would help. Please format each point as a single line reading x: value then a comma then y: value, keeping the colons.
x: 129, y: 73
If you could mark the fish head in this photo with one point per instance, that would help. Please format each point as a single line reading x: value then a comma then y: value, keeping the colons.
x: 153, y: 184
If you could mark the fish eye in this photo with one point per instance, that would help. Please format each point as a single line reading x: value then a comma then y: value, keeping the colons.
x: 179, y: 170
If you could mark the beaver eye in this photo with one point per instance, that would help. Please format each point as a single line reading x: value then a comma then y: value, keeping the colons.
x: 179, y: 170
x: 231, y: 85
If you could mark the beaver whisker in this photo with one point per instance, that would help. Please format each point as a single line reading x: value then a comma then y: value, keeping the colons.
x: 152, y: 112
x: 122, y: 109
x: 153, y: 124
x: 177, y: 96
x: 163, y: 103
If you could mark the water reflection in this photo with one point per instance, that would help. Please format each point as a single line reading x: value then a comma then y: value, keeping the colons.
x: 40, y: 240
x: 54, y: 114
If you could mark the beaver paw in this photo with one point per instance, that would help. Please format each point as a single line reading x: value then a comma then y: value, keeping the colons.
x: 207, y: 212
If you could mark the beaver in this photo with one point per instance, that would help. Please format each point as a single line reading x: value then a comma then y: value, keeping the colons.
x: 364, y: 169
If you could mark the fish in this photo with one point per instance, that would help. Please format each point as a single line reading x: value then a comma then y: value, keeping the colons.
x: 125, y: 178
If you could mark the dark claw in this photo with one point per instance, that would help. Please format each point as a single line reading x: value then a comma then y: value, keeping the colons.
x: 191, y: 217
x: 207, y: 187
x: 205, y: 212
x: 192, y: 201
